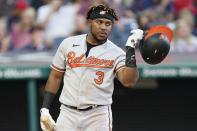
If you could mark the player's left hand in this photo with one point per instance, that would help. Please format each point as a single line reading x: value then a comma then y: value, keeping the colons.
x: 46, y: 121
x: 134, y: 38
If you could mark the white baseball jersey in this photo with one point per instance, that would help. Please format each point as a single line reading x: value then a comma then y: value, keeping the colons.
x: 87, y: 80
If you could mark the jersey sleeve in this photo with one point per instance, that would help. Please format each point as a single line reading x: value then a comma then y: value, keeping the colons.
x: 59, y: 61
x: 120, y: 62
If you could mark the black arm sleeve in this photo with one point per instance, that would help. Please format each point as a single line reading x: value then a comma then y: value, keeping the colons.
x: 48, y: 99
x: 130, y: 57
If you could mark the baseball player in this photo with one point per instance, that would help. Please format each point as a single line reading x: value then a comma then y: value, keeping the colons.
x: 87, y: 64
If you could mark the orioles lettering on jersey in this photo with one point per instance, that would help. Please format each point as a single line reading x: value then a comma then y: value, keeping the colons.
x: 74, y: 61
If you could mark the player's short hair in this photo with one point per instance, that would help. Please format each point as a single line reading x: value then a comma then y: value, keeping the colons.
x: 101, y: 11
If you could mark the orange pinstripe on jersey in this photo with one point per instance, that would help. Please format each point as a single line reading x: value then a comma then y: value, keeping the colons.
x: 57, y: 68
x: 119, y: 68
x: 109, y: 119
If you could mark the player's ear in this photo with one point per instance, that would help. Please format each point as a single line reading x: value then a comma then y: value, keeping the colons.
x: 89, y: 22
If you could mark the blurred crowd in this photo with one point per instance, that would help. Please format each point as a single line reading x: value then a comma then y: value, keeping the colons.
x: 42, y: 24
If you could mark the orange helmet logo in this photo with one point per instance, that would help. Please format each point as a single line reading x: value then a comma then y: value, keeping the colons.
x: 162, y: 36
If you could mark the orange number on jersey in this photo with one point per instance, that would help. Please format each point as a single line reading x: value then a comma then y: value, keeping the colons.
x: 100, y: 77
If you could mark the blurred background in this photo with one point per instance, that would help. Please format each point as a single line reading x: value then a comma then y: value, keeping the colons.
x: 164, y: 98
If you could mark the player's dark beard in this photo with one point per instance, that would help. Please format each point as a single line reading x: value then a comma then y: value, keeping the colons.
x: 94, y: 36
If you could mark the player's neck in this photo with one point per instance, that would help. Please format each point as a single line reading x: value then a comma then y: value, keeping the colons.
x: 93, y: 40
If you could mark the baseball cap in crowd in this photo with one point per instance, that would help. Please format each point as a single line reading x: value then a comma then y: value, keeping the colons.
x: 21, y: 5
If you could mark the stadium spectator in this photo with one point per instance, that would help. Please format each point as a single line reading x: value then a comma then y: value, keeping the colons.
x: 168, y: 19
x: 20, y: 31
x: 186, y: 15
x: 6, y: 7
x: 143, y: 21
x: 37, y: 40
x: 5, y: 38
x: 51, y: 17
x: 180, y: 4
x: 152, y: 12
x: 159, y: 5
x: 58, y: 20
x: 62, y: 18
x: 72, y: 9
x: 18, y: 7
x: 183, y: 40
x: 195, y: 28
x: 127, y: 22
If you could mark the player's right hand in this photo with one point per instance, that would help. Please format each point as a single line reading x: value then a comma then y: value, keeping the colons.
x: 46, y: 121
x: 134, y: 38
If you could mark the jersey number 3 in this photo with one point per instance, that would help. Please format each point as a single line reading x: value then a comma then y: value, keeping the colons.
x: 99, y: 80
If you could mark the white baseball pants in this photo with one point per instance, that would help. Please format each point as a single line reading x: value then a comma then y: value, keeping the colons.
x: 97, y: 119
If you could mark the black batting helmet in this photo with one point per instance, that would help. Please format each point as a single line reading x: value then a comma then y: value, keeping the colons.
x: 156, y: 44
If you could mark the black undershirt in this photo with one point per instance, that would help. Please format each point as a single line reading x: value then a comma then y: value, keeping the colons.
x: 89, y: 46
